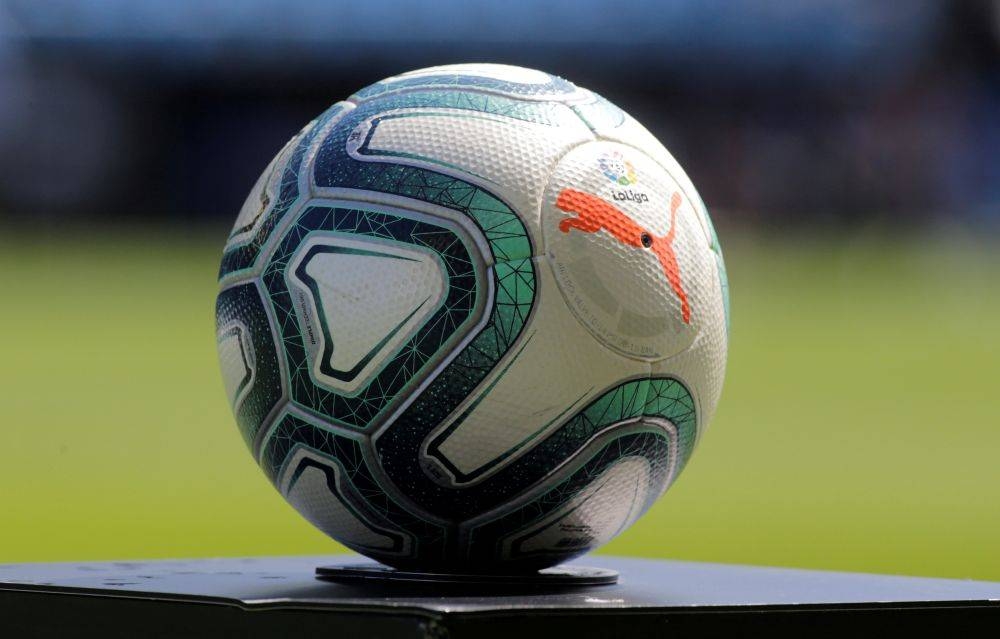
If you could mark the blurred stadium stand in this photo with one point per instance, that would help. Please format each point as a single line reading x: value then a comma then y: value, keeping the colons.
x: 782, y: 112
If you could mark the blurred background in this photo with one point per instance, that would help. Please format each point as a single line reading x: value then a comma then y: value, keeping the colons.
x: 849, y: 152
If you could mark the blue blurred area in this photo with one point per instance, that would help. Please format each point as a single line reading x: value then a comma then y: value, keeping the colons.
x: 764, y: 33
x: 804, y: 112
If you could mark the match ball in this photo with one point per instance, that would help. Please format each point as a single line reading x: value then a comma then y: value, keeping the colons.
x: 474, y: 317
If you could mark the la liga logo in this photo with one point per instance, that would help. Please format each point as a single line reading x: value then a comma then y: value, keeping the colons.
x: 620, y: 171
x: 616, y: 168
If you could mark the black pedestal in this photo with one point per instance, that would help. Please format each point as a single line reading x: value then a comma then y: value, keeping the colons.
x: 281, y: 597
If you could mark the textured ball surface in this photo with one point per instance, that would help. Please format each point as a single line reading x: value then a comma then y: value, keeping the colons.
x: 472, y: 316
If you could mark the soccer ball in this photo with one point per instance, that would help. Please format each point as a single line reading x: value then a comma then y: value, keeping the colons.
x: 472, y: 318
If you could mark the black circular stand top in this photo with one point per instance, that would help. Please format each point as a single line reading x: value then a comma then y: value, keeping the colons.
x: 555, y: 577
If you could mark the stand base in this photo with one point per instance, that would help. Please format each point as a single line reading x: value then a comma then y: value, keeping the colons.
x: 550, y: 578
x: 279, y: 596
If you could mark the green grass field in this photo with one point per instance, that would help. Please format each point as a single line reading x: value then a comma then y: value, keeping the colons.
x: 859, y: 427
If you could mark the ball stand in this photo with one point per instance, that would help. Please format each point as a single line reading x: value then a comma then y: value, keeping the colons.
x: 555, y: 578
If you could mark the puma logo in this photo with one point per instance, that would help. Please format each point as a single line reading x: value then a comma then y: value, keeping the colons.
x: 594, y: 214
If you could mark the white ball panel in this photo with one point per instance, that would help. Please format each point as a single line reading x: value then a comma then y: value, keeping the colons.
x: 559, y: 371
x: 513, y: 158
x: 702, y: 367
x: 593, y: 517
x: 506, y: 72
x: 310, y: 494
x: 523, y: 83
x: 628, y: 252
x: 370, y: 294
x: 236, y: 359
